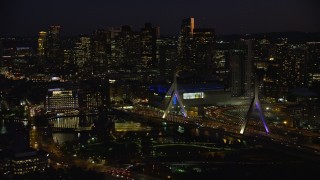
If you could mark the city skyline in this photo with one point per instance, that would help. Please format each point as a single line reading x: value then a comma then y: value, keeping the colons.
x: 231, y: 17
x: 160, y: 90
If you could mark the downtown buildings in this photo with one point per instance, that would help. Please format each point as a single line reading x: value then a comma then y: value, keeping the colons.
x: 127, y: 61
x: 116, y: 66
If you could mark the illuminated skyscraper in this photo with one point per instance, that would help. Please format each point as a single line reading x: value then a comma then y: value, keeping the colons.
x: 125, y: 50
x: 42, y: 44
x: 187, y: 27
x: 101, y: 54
x: 100, y: 51
x: 148, y: 37
x: 83, y: 51
x: 113, y: 33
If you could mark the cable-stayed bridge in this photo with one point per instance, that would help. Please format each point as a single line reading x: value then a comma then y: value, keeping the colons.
x: 249, y: 120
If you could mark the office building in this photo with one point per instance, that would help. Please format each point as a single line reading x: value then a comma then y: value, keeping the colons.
x: 187, y: 27
x: 89, y: 101
x: 42, y: 44
x: 17, y: 163
x: 125, y: 51
x: 248, y: 90
x: 185, y: 49
x: 54, y: 45
x: 236, y: 58
x: 240, y: 59
x: 83, y: 51
x: 148, y: 36
x: 100, y: 52
x: 313, y: 63
x: 203, y: 43
x: 61, y: 100
x: 168, y: 57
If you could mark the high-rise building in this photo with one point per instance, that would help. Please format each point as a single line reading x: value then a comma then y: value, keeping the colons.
x: 313, y: 63
x: 83, y: 51
x: 221, y: 61
x: 248, y: 69
x: 157, y: 32
x: 185, y: 49
x: 148, y: 36
x: 101, y: 59
x: 100, y: 51
x: 113, y: 33
x: 53, y: 45
x: 236, y: 58
x: 187, y: 27
x: 293, y: 65
x: 42, y: 44
x: 240, y: 59
x: 125, y: 50
x: 203, y: 44
x: 168, y: 58
x: 68, y: 56
x: 204, y: 36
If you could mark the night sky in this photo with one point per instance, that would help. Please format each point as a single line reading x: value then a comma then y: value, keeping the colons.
x: 28, y: 17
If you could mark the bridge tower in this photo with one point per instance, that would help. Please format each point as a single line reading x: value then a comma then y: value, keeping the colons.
x: 255, y: 105
x: 173, y: 93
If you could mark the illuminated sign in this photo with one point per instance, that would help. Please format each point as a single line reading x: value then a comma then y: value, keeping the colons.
x: 196, y: 95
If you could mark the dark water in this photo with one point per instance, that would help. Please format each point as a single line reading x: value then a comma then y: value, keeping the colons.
x: 159, y: 131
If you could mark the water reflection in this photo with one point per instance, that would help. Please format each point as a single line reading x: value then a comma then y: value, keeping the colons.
x: 72, y: 122
x: 77, y: 123
x: 3, y: 127
x: 11, y: 125
x: 66, y: 122
x: 169, y: 132
x: 61, y: 138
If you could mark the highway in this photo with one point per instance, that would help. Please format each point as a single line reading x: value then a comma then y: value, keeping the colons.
x: 282, y: 135
x: 57, y: 160
x: 283, y: 138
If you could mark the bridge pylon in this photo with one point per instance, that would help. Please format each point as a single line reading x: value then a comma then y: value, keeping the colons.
x: 255, y: 105
x: 174, y: 93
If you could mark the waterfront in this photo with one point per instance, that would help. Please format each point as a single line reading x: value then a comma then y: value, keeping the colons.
x: 176, y: 151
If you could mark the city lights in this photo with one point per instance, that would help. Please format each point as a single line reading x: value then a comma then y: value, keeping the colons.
x: 228, y: 92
